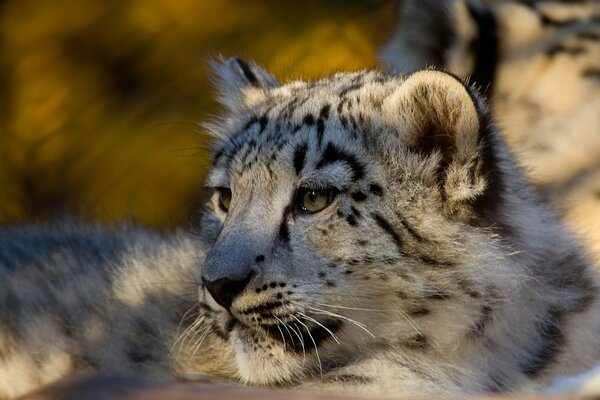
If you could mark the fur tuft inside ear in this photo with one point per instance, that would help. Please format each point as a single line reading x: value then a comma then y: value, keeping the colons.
x: 241, y: 84
x: 438, y: 118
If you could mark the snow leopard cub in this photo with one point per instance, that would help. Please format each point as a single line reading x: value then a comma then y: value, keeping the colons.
x: 368, y: 233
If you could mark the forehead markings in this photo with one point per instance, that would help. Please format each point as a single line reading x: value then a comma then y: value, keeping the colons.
x: 283, y: 235
x: 300, y: 157
x: 333, y: 154
x: 286, y: 112
x: 323, y: 116
x: 341, y: 116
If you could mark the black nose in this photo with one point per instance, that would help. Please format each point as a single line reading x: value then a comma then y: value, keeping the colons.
x: 224, y: 290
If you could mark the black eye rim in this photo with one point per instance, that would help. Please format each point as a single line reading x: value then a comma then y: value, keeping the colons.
x: 299, y: 208
x: 223, y: 192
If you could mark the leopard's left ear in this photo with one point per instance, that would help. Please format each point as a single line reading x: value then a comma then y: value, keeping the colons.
x: 445, y: 122
x: 241, y: 84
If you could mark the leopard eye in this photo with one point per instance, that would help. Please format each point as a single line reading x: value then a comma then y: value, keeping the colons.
x: 312, y: 200
x: 224, y: 199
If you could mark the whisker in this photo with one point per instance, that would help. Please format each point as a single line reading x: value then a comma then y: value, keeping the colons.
x: 281, y: 332
x: 301, y: 340
x: 335, y: 315
x: 199, y: 341
x: 183, y: 318
x: 410, y: 321
x: 186, y: 334
x: 314, y: 344
x: 344, y: 296
x: 349, y: 308
x: 306, y: 317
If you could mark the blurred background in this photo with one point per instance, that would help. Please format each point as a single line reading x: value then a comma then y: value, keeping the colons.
x: 101, y: 101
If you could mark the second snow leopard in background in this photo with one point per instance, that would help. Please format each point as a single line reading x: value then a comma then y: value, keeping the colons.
x: 539, y: 64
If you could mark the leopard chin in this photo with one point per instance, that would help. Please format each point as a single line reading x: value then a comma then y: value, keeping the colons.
x: 264, y: 361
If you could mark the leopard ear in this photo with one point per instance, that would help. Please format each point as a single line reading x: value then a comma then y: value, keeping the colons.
x: 441, y: 119
x: 241, y: 84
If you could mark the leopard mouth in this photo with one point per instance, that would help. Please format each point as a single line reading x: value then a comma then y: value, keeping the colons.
x: 303, y: 337
x: 297, y: 336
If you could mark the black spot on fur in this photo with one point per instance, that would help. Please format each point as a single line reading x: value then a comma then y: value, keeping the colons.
x: 351, y: 219
x: 419, y: 312
x: 344, y: 122
x: 350, y: 88
x: 259, y: 258
x: 387, y: 227
x: 324, y: 113
x: 548, y: 345
x: 248, y: 74
x: 333, y: 154
x: 269, y: 306
x: 376, y: 189
x: 300, y: 157
x: 358, y: 196
x: 432, y: 262
x: 407, y: 227
x: 218, y: 155
x: 250, y: 122
x: 284, y: 232
x: 263, y: 121
x: 320, y: 131
x: 437, y: 294
x: 573, y: 276
x: 309, y: 119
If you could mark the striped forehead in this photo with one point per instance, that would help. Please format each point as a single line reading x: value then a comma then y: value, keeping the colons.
x: 317, y: 124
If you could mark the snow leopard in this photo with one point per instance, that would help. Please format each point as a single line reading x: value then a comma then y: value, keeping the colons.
x: 538, y: 62
x: 367, y: 233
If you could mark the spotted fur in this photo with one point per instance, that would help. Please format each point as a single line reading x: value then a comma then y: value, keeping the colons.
x: 433, y: 268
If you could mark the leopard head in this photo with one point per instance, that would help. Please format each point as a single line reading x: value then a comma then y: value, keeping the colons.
x: 345, y: 214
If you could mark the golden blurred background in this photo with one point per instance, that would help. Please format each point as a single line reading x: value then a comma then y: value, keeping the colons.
x: 100, y: 100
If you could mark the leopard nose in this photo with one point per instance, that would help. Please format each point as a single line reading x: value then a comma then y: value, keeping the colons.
x: 225, y: 290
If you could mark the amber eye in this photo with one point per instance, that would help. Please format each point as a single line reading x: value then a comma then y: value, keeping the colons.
x: 312, y: 201
x: 224, y: 199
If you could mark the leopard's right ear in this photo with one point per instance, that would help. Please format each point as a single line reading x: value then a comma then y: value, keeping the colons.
x: 241, y: 84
